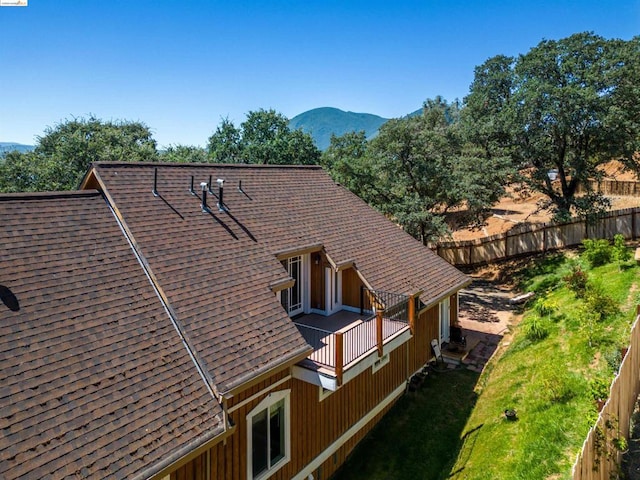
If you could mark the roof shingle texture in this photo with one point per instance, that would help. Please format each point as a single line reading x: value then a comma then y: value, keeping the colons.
x: 96, y: 382
x: 216, y: 267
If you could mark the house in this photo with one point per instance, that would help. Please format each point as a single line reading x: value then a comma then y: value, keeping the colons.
x: 295, y: 312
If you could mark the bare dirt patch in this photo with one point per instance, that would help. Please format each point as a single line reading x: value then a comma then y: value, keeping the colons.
x: 514, y: 209
x: 517, y: 208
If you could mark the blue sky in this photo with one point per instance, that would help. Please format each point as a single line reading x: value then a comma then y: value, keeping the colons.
x: 180, y: 67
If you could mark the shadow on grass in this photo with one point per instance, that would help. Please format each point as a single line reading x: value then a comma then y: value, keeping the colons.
x: 420, y: 437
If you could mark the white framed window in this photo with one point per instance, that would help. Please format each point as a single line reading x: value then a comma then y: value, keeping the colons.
x: 268, y: 435
x: 292, y: 299
x: 379, y: 363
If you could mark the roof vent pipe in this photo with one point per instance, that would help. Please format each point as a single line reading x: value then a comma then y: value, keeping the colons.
x: 155, y: 182
x: 204, y: 187
x: 191, y: 190
x: 209, y: 185
x: 220, y: 183
x: 240, y: 185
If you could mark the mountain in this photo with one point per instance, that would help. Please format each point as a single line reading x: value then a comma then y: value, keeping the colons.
x: 320, y: 123
x: 10, y: 146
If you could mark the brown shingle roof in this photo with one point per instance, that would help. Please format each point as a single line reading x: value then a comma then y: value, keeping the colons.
x: 95, y: 380
x: 215, y: 267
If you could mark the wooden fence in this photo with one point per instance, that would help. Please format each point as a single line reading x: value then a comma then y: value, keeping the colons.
x: 526, y: 239
x: 623, y: 188
x: 601, y: 456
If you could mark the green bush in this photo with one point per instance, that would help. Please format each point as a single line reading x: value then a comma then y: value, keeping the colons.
x: 613, y: 358
x: 545, y: 307
x: 590, y: 325
x: 599, y: 388
x: 620, y: 251
x: 535, y: 328
x: 597, y: 252
x: 577, y: 281
x: 599, y: 302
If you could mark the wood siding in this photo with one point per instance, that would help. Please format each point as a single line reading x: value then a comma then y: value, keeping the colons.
x: 351, y: 285
x: 316, y: 424
x: 317, y: 281
x: 426, y: 329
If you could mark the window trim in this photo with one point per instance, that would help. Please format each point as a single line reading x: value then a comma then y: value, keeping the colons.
x: 300, y: 284
x: 266, y: 403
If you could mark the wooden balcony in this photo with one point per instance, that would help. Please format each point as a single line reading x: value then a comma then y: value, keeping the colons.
x: 342, y: 339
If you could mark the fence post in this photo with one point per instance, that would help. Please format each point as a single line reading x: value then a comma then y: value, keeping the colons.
x: 339, y: 357
x: 506, y: 244
x: 379, y: 315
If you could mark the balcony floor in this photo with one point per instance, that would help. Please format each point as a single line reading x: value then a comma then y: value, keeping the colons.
x: 332, y: 323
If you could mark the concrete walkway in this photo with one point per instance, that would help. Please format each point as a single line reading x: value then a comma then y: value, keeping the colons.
x: 485, y: 315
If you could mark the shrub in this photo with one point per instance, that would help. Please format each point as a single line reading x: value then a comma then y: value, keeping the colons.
x: 613, y: 358
x: 599, y: 389
x: 597, y: 252
x: 590, y: 325
x: 545, y: 307
x: 577, y: 281
x: 599, y: 302
x: 620, y: 251
x: 536, y: 328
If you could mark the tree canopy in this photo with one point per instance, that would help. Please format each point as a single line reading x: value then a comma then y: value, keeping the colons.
x: 264, y: 138
x: 562, y: 109
x: 64, y: 153
x: 183, y: 154
x: 418, y: 170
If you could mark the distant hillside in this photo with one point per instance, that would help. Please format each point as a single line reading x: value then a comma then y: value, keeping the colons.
x: 320, y: 123
x: 10, y: 146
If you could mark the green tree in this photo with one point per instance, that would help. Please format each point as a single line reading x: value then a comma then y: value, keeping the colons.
x: 423, y: 170
x: 64, y: 153
x: 184, y: 154
x: 264, y: 138
x: 346, y: 161
x: 566, y: 107
x: 29, y: 172
x: 225, y: 144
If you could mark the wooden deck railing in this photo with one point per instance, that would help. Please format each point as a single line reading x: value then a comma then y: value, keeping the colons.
x: 336, y: 350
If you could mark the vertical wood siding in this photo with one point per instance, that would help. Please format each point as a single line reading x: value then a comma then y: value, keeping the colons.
x: 317, y: 281
x: 351, y: 284
x: 316, y: 424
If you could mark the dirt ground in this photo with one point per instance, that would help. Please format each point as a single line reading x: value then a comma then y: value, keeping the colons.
x: 515, y: 208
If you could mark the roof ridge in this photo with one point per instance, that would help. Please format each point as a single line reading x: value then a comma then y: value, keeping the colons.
x: 48, y: 195
x: 242, y: 166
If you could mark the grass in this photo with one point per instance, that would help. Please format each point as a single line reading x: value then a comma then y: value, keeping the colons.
x: 412, y: 440
x: 560, y: 355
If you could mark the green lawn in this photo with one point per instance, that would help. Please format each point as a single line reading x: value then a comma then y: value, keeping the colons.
x: 419, y: 437
x: 560, y: 356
